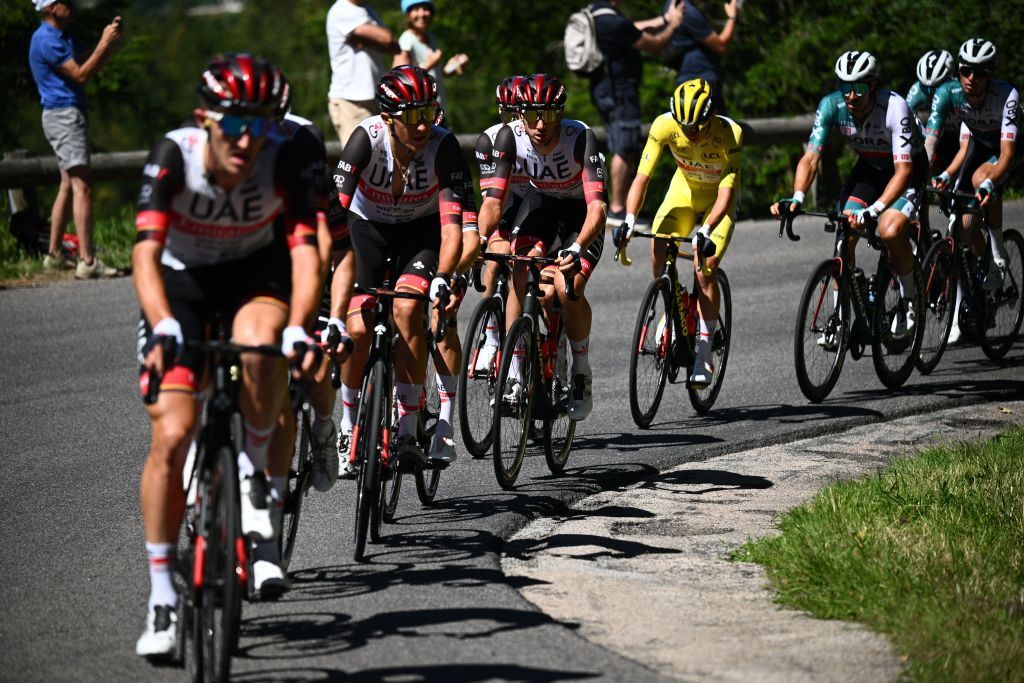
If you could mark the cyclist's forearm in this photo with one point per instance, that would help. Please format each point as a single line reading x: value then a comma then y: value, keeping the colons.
x: 897, y: 185
x: 451, y: 248
x: 806, y: 171
x: 930, y: 142
x: 1003, y: 163
x: 958, y: 160
x: 489, y: 215
x: 149, y: 282
x: 597, y: 214
x: 721, y: 207
x: 637, y: 193
x: 305, y: 285
x: 470, y: 250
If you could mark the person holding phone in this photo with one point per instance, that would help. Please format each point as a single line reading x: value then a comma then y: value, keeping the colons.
x: 697, y: 48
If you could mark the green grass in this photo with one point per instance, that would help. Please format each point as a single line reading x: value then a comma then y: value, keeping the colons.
x: 929, y: 552
x: 113, y: 235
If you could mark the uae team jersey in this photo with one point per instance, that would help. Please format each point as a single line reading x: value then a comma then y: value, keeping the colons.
x: 518, y: 182
x: 888, y: 135
x: 711, y: 162
x: 995, y: 120
x: 201, y: 224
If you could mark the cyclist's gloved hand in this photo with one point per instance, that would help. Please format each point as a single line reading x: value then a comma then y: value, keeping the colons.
x: 624, y: 232
x: 704, y: 233
x: 941, y: 181
x: 338, y: 323
x: 985, y: 191
x: 439, y: 286
x: 792, y: 204
x: 459, y: 285
x: 573, y: 256
x: 869, y: 214
x: 167, y: 329
x: 292, y: 335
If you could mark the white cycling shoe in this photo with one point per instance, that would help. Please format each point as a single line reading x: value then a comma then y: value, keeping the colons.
x: 905, y: 318
x: 254, y: 495
x: 160, y: 639
x: 485, y: 357
x: 442, y: 450
x: 269, y: 579
x: 581, y: 397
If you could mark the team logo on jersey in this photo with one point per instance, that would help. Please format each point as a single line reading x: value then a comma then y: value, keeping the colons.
x: 418, y: 265
x: 155, y: 171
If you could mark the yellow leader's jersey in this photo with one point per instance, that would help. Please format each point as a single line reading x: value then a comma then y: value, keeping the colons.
x: 712, y: 162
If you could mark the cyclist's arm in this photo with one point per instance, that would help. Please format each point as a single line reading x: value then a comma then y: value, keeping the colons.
x: 730, y: 178
x: 354, y: 158
x: 941, y: 105
x: 1007, y: 137
x: 494, y: 178
x: 902, y: 128
x: 807, y: 167
x: 454, y: 181
x: 594, y: 192
x: 297, y: 166
x: 806, y: 171
x: 470, y: 230
x: 375, y: 36
x: 897, y: 185
x: 648, y: 162
x: 341, y: 284
x: 1005, y: 161
x: 961, y: 154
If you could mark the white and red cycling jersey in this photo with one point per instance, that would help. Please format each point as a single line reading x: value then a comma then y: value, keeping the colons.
x: 436, y: 179
x: 518, y: 182
x: 201, y: 224
x: 572, y: 170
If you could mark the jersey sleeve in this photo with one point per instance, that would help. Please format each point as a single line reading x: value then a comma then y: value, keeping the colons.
x: 901, y: 125
x: 454, y: 181
x: 824, y: 119
x: 299, y: 178
x: 656, y: 139
x: 503, y: 159
x: 942, y: 102
x: 163, y: 177
x: 1011, y: 112
x: 916, y: 97
x: 965, y: 132
x: 589, y: 157
x: 354, y: 158
x: 733, y: 151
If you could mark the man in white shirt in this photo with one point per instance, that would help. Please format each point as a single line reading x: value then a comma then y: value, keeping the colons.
x: 354, y: 33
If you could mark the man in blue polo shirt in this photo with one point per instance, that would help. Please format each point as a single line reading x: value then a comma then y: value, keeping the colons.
x: 60, y: 77
x: 700, y: 47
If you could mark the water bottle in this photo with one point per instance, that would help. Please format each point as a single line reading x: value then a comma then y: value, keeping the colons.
x: 872, y: 286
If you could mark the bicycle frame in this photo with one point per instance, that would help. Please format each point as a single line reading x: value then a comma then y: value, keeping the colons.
x: 956, y: 205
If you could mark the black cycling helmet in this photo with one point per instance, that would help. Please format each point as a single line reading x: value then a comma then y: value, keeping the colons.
x: 505, y: 93
x: 540, y: 91
x: 405, y: 87
x: 242, y: 83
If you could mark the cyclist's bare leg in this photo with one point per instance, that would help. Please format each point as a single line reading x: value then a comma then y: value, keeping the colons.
x: 173, y: 418
x: 892, y: 226
x: 578, y: 314
x: 708, y: 296
x: 283, y: 441
x: 496, y: 245
x: 411, y: 349
x: 658, y: 250
x: 993, y: 214
x: 449, y: 356
x: 514, y: 306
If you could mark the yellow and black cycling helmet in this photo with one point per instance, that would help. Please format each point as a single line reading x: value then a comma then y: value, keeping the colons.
x: 692, y: 105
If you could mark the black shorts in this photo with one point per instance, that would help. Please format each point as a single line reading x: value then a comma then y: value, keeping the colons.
x: 508, y: 217
x: 867, y: 182
x: 199, y: 297
x: 979, y: 153
x: 413, y: 246
x: 550, y: 224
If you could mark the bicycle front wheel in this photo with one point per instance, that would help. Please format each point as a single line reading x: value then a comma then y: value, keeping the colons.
x: 650, y: 354
x: 478, y: 377
x: 559, y: 430
x: 939, y: 275
x: 819, y: 342
x: 369, y: 434
x: 1005, y: 308
x: 513, y: 401
x: 894, y: 348
x: 298, y: 484
x: 702, y: 398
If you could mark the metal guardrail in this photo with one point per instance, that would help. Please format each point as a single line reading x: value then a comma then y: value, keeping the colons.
x: 32, y: 171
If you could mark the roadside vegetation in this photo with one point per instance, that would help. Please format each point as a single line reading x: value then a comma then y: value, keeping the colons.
x: 929, y: 552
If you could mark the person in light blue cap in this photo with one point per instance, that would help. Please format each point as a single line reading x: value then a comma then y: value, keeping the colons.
x: 419, y: 47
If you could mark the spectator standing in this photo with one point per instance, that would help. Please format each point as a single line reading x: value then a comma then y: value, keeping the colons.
x: 615, y: 86
x: 53, y: 58
x: 701, y: 48
x: 419, y: 47
x: 355, y: 33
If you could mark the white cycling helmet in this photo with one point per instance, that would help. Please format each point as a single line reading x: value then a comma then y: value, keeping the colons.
x: 856, y: 65
x: 977, y: 51
x: 934, y: 67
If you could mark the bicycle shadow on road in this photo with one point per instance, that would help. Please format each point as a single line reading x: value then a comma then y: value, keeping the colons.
x: 701, y: 482
x: 610, y: 548
x: 441, y: 673
x: 784, y: 413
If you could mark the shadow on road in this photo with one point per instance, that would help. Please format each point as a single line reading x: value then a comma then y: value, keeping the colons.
x: 441, y: 673
x: 711, y: 480
x: 613, y: 548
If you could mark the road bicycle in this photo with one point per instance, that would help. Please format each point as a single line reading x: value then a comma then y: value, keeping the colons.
x: 992, y: 317
x: 841, y: 310
x: 539, y: 343
x: 378, y: 482
x: 665, y: 336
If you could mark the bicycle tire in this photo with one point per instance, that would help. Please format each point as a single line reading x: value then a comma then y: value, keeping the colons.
x: 894, y: 356
x: 297, y: 486
x: 369, y: 434
x: 646, y: 344
x: 1005, y: 307
x: 939, y: 275
x: 559, y: 430
x: 476, y: 389
x: 703, y: 398
x: 427, y: 481
x: 218, y: 600
x: 820, y: 294
x: 512, y: 421
x: 390, y: 475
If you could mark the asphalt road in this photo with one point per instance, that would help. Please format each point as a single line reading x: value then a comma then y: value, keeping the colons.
x: 432, y: 604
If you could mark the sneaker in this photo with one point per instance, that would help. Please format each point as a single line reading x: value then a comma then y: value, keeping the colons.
x: 485, y: 357
x: 615, y: 218
x: 994, y: 278
x: 57, y: 262
x: 346, y: 468
x: 442, y: 450
x: 325, y: 461
x: 98, y: 269
x: 903, y: 321
x: 269, y: 580
x: 581, y: 398
x: 160, y: 639
x: 408, y: 450
x: 254, y: 493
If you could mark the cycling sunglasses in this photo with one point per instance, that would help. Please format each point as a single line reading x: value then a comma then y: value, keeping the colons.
x: 235, y: 126
x: 692, y: 130
x: 417, y: 115
x: 531, y: 116
x: 860, y: 89
x: 979, y: 71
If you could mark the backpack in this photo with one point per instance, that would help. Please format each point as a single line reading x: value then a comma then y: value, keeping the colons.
x: 582, y: 55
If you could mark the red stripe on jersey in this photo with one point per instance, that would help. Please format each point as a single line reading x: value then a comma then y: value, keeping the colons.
x: 450, y: 208
x: 344, y: 199
x: 468, y: 217
x: 152, y: 220
x: 414, y: 282
x: 592, y: 191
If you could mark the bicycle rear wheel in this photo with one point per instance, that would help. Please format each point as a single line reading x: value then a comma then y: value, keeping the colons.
x: 1004, y: 306
x: 218, y: 591
x: 559, y: 430
x: 427, y: 480
x: 650, y: 354
x: 298, y: 484
x: 822, y: 327
x: 477, y: 386
x: 939, y: 275
x: 369, y: 434
x: 390, y: 475
x: 703, y: 398
x: 894, y: 353
x: 513, y: 406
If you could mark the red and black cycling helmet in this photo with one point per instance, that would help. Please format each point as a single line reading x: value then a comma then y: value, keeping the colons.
x: 505, y: 94
x: 242, y: 83
x: 540, y: 91
x: 406, y: 87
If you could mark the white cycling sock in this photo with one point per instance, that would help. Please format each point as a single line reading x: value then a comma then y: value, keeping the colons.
x: 580, y: 356
x: 447, y: 386
x: 515, y: 366
x: 491, y: 331
x: 253, y: 458
x: 161, y: 574
x: 408, y: 398
x: 998, y: 248
x: 908, y: 288
x: 349, y: 407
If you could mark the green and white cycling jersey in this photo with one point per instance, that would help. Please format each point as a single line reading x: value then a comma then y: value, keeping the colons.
x: 994, y: 121
x: 888, y: 135
x: 919, y: 99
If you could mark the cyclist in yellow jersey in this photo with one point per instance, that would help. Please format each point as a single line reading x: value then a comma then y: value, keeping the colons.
x: 706, y: 150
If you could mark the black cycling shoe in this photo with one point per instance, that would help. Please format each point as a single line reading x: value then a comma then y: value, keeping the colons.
x: 410, y: 455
